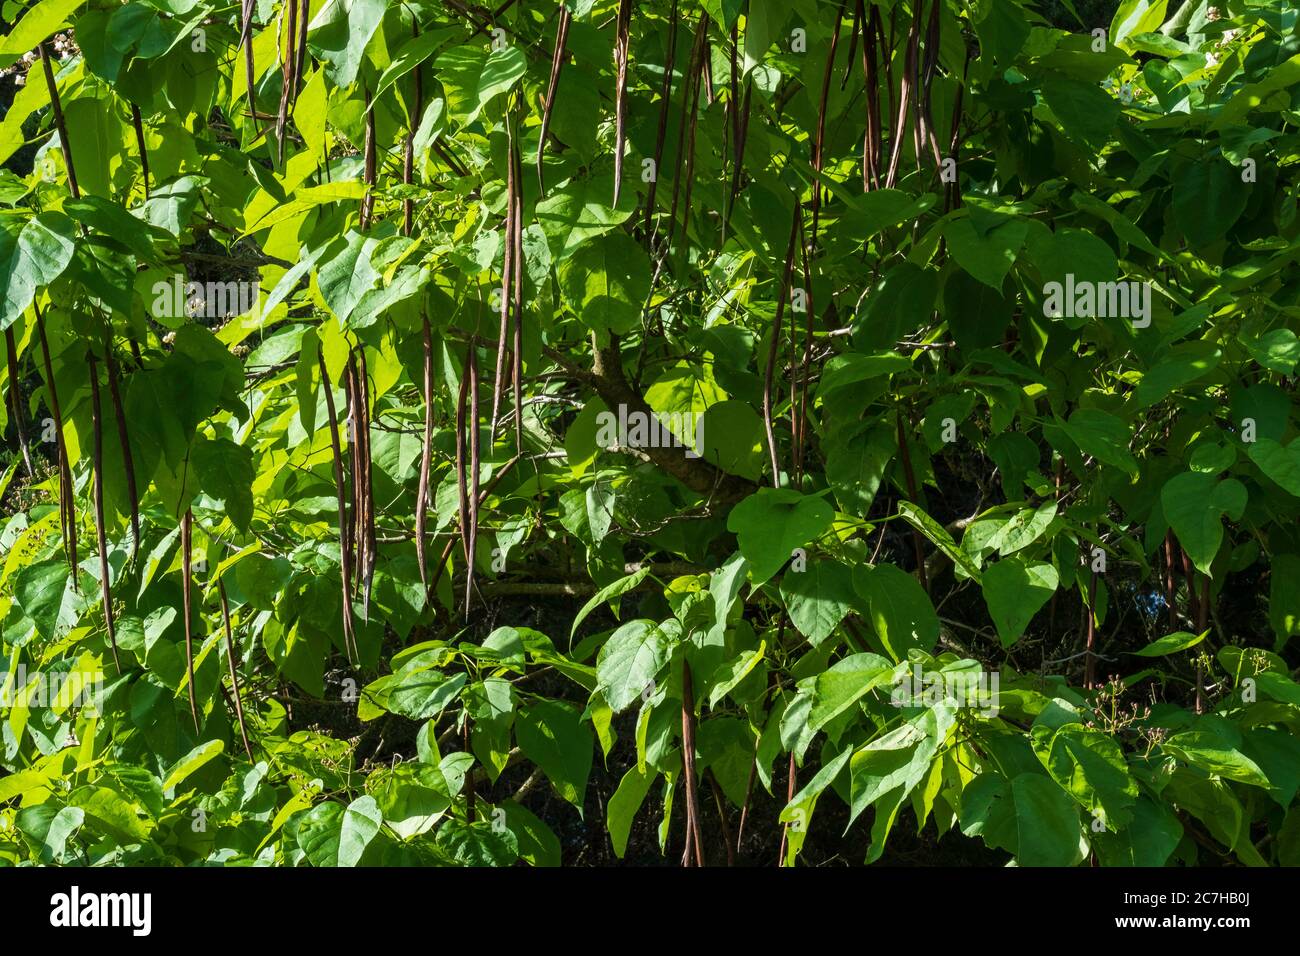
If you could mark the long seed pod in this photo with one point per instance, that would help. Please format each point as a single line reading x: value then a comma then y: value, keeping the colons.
x: 474, y: 466
x: 367, y: 476
x: 345, y: 563
x: 691, y: 128
x: 872, y: 40
x: 558, y: 56
x: 690, y: 95
x: 138, y: 123
x: 799, y: 391
x: 288, y: 66
x: 67, y: 503
x: 246, y: 42
x: 507, y: 280
x: 371, y: 164
x: 770, y: 373
x: 462, y: 413
x: 926, y: 113
x: 905, y: 99
x: 426, y: 452
x: 16, y: 410
x: 858, y: 27
x: 694, y: 855
x: 819, y: 141
x: 123, y: 439
x: 517, y: 372
x: 408, y: 156
x: 482, y: 497
x: 57, y: 109
x: 187, y: 524
x: 738, y: 161
x: 234, y: 672
x: 97, y: 422
x: 300, y: 69
x: 665, y: 101
x: 620, y: 94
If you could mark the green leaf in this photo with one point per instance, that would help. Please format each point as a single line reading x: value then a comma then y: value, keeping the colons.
x: 843, y: 684
x: 1279, y: 463
x: 610, y: 592
x: 624, y: 804
x: 818, y: 598
x: 1183, y: 365
x: 578, y: 212
x: 226, y: 473
x: 1214, y: 754
x: 35, y: 26
x: 988, y: 256
x: 1209, y: 198
x: 771, y: 523
x: 111, y: 813
x: 1030, y: 817
x: 552, y: 735
x: 339, y: 35
x: 1171, y: 644
x: 898, y: 608
x: 938, y: 536
x: 1086, y: 113
x: 1103, y: 436
x: 1015, y: 590
x: 631, y: 659
x: 361, y: 821
x: 1090, y: 766
x: 30, y: 258
x: 192, y: 761
x: 606, y: 282
x: 501, y: 72
x: 1193, y: 503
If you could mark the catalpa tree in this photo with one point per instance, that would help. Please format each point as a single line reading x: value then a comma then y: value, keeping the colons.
x: 740, y: 430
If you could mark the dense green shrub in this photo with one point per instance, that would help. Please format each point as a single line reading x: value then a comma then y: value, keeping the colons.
x: 865, y: 418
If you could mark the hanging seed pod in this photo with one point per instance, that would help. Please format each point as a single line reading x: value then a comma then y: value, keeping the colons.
x: 16, y: 410
x: 124, y: 440
x: 558, y: 57
x: 97, y: 422
x: 408, y: 155
x: 246, y: 43
x: 56, y: 108
x: 345, y: 547
x: 234, y: 673
x: 289, y: 80
x: 187, y: 524
x: 67, y: 504
x: 138, y: 124
x: 371, y: 166
x: 620, y: 92
x: 770, y: 372
x: 507, y: 278
x: 475, y: 462
x: 303, y: 16
x: 686, y: 130
x: 426, y: 453
x: 367, y: 564
x: 517, y: 305
x: 665, y: 101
